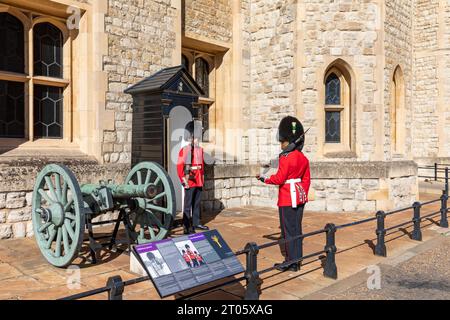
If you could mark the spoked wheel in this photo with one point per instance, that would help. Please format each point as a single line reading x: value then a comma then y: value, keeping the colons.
x: 58, y: 215
x: 152, y: 217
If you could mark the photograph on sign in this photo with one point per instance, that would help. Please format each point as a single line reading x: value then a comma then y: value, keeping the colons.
x: 156, y: 264
x: 190, y: 254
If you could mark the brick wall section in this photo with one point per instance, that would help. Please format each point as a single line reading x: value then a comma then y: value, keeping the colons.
x: 209, y: 18
x: 141, y: 41
x: 398, y: 42
x: 425, y: 84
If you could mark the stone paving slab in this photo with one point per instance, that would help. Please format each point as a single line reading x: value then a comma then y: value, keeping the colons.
x: 419, y: 273
x: 24, y: 273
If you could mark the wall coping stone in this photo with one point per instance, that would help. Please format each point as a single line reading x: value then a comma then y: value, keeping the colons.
x: 326, y: 170
x: 20, y: 174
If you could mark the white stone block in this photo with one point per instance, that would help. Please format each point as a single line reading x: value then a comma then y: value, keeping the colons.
x: 317, y: 205
x: 335, y: 205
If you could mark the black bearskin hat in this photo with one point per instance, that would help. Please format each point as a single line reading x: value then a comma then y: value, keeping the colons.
x: 192, y: 129
x: 290, y: 129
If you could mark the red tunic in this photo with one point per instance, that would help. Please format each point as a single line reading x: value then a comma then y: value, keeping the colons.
x: 191, y: 254
x: 197, y: 161
x: 186, y: 257
x: 292, y: 165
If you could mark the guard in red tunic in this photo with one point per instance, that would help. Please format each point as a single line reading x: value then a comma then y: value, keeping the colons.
x: 293, y: 179
x: 190, y: 168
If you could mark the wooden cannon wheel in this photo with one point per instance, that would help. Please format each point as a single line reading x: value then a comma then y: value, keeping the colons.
x: 58, y: 215
x: 152, y: 218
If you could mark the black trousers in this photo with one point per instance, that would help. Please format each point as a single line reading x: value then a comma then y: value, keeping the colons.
x: 191, y: 210
x: 291, y: 226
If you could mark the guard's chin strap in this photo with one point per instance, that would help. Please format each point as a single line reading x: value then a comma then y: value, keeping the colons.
x: 294, y: 145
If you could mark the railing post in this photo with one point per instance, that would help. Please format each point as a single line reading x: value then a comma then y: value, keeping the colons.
x: 330, y: 269
x: 417, y: 233
x: 444, y: 210
x: 435, y: 171
x: 251, y: 272
x: 380, y: 248
x: 446, y: 181
x: 116, y: 287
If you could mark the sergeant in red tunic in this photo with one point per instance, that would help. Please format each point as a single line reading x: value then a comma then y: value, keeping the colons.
x: 293, y: 179
x: 190, y: 168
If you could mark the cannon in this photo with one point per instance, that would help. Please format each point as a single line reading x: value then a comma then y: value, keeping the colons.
x: 62, y: 210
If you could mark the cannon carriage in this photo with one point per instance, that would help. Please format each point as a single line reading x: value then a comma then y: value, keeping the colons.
x: 62, y: 210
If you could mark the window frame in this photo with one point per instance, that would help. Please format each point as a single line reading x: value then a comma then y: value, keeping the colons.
x: 345, y: 113
x: 29, y: 21
x: 209, y: 101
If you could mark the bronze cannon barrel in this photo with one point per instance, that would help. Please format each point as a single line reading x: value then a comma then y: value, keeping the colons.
x: 123, y: 191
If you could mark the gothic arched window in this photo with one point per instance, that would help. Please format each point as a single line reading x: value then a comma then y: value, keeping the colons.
x: 35, y: 76
x: 12, y: 50
x: 397, y: 111
x: 48, y: 100
x: 333, y: 90
x: 202, y: 75
x: 332, y: 116
x: 12, y: 93
x: 48, y: 41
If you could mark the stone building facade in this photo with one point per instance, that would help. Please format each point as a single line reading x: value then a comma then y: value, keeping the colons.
x: 264, y: 60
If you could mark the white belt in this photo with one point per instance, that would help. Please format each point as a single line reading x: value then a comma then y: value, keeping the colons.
x: 292, y: 183
x: 196, y: 167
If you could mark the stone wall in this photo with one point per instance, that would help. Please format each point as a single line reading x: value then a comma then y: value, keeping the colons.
x: 272, y: 75
x: 398, y: 42
x: 208, y: 19
x: 227, y: 186
x: 18, y: 178
x: 352, y: 187
x: 347, y: 30
x: 425, y: 84
x: 141, y: 41
x: 444, y: 71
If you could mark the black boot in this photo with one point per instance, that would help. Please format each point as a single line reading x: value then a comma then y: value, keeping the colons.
x: 294, y: 267
x: 191, y: 227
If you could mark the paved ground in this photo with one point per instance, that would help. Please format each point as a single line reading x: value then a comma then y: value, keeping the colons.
x: 421, y: 273
x: 24, y: 274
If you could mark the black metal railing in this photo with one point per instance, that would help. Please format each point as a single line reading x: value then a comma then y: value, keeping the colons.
x: 252, y: 276
x: 440, y: 172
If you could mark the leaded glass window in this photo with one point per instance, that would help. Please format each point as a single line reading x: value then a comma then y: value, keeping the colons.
x: 48, y: 42
x: 333, y: 126
x: 205, y: 122
x: 202, y: 74
x: 185, y: 62
x: 12, y: 50
x: 333, y: 90
x: 12, y: 109
x: 48, y: 108
x: 40, y: 115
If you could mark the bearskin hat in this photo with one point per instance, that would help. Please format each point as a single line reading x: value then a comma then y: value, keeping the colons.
x: 290, y: 129
x: 192, y: 129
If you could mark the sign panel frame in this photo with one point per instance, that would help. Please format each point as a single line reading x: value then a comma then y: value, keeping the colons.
x: 178, y: 264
